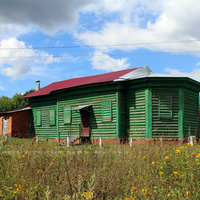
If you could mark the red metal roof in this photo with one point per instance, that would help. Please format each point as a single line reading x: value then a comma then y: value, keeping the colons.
x: 74, y: 82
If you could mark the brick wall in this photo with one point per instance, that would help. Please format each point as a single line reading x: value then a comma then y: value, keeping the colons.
x: 18, y: 124
x: 21, y: 124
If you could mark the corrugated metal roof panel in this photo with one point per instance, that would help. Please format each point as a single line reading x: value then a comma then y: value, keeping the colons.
x: 81, y: 107
x: 74, y: 82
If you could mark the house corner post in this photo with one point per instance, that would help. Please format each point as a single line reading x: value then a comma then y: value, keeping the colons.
x: 120, y: 111
x: 57, y: 118
x: 118, y: 116
x: 181, y: 114
x: 148, y: 113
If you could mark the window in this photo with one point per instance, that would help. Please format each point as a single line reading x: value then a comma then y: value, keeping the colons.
x: 38, y: 118
x: 67, y: 115
x: 52, y: 117
x: 106, y: 107
x: 165, y: 107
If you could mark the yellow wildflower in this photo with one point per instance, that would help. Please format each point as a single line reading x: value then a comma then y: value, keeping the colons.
x: 153, y: 163
x: 178, y: 151
x: 187, y: 193
x: 198, y: 156
x: 161, y: 173
x: 0, y: 191
x: 167, y: 158
x: 145, y: 157
x: 133, y: 189
x: 181, y: 148
x: 175, y: 173
x: 87, y: 195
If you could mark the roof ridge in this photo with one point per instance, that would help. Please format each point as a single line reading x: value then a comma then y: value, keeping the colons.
x: 80, y: 81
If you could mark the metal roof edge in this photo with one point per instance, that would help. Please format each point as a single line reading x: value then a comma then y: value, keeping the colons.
x: 141, y: 72
x: 17, y: 110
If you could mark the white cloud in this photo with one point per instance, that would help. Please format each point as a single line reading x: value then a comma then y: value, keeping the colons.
x: 104, y: 62
x: 14, y: 30
x: 195, y: 74
x: 148, y: 21
x: 18, y: 62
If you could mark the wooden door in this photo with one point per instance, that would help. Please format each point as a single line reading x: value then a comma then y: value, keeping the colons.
x: 4, y: 126
x: 85, y: 123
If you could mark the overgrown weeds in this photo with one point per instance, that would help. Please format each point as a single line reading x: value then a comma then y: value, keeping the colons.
x: 112, y: 172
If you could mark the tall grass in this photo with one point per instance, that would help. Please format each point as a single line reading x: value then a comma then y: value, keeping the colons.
x: 112, y: 172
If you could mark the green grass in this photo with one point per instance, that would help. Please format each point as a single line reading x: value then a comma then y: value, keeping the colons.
x: 87, y: 172
x: 13, y: 144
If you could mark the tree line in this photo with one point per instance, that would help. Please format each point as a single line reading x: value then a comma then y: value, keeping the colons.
x: 8, y: 104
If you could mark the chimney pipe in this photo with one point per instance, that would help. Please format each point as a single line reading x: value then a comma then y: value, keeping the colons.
x: 37, y: 85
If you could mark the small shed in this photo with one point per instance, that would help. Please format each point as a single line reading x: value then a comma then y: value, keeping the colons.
x: 133, y: 103
x: 16, y: 123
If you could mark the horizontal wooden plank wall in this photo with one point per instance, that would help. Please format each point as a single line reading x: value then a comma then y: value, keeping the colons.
x: 99, y: 128
x: 135, y: 113
x: 190, y: 112
x: 166, y: 128
x: 45, y: 129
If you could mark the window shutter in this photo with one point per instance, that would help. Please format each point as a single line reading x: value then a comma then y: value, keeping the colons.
x: 106, y: 111
x: 38, y: 118
x: 52, y: 117
x: 67, y: 115
x: 165, y: 107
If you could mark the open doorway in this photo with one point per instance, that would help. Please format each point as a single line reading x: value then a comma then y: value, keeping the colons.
x: 4, y: 126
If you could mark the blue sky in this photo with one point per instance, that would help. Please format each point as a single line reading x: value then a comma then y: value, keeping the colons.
x: 56, y: 40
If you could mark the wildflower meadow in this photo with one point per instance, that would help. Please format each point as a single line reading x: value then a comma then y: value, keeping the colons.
x: 114, y: 172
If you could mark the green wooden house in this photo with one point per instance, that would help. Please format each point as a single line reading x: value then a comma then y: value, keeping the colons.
x: 133, y: 103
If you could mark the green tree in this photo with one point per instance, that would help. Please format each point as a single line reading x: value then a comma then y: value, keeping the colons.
x: 7, y: 104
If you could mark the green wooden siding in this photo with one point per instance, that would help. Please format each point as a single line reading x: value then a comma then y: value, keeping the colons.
x: 141, y: 109
x: 120, y: 109
x: 190, y: 112
x: 135, y: 113
x: 99, y: 128
x: 67, y: 115
x: 148, y: 113
x: 106, y: 110
x: 52, y: 117
x: 38, y: 118
x: 48, y: 118
x: 165, y: 105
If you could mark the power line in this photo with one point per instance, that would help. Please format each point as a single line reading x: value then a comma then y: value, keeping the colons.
x: 84, y: 55
x: 102, y: 45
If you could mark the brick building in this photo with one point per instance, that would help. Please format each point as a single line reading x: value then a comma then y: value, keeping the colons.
x: 16, y: 123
